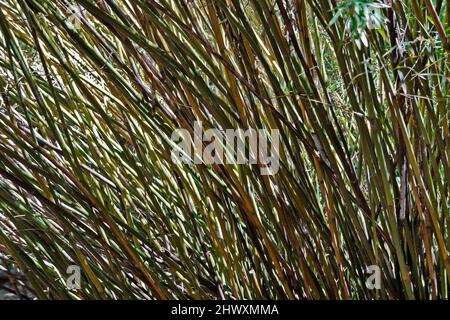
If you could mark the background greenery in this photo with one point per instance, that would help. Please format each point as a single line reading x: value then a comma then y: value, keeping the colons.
x: 92, y: 91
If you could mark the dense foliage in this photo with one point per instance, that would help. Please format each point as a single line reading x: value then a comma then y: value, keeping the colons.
x: 91, y: 92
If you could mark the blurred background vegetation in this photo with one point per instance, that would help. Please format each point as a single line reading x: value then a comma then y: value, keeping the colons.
x: 91, y: 92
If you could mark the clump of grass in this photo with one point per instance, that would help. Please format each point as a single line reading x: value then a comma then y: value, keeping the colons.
x: 92, y: 91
